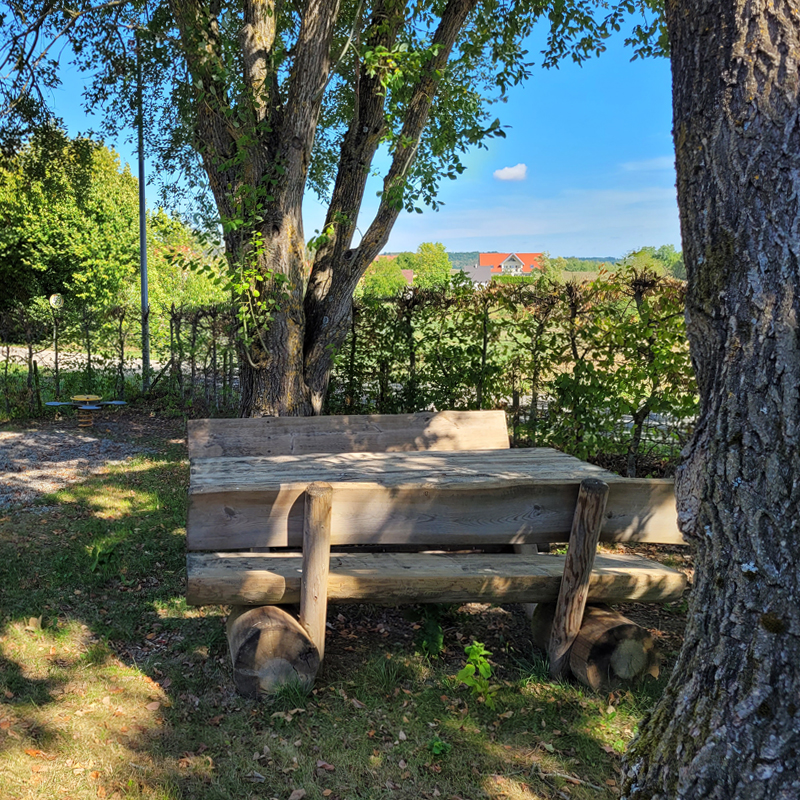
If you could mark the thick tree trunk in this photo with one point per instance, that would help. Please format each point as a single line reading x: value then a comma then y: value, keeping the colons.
x: 728, y: 725
x: 272, y: 353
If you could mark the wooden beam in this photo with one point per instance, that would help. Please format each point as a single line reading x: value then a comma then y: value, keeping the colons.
x: 399, y: 578
x: 491, y: 511
x: 316, y: 563
x: 574, y: 590
x: 275, y: 436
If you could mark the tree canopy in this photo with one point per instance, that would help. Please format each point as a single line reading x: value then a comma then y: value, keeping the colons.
x: 69, y: 220
x: 272, y: 98
x: 383, y: 278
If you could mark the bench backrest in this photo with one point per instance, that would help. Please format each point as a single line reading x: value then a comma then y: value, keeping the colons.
x: 375, y: 433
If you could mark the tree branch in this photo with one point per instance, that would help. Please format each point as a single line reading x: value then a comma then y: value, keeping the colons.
x: 337, y: 269
x: 256, y: 38
x: 453, y: 19
x: 307, y: 80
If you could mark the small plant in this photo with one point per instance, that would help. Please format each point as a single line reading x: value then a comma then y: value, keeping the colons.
x: 102, y: 557
x: 386, y: 673
x: 430, y: 636
x: 439, y: 747
x: 477, y: 672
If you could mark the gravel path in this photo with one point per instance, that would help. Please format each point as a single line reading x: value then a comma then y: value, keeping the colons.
x: 38, y: 461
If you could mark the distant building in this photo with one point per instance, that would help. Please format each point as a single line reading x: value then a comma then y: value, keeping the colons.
x: 480, y: 276
x: 511, y: 263
x: 492, y: 264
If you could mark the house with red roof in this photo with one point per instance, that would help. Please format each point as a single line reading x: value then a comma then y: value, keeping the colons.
x: 511, y: 263
x: 491, y: 265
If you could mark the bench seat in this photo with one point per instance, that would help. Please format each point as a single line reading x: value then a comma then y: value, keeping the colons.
x: 400, y: 578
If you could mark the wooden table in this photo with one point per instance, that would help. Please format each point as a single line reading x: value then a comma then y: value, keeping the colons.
x: 239, y: 503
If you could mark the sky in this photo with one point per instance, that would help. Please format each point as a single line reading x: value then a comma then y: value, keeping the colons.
x: 586, y: 168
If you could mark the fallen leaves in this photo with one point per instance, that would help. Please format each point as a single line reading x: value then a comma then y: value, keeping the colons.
x: 36, y: 753
x: 297, y: 794
x: 288, y: 716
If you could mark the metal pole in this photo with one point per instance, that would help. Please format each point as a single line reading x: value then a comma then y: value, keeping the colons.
x: 142, y: 229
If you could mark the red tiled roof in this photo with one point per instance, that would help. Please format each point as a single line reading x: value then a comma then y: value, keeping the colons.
x: 408, y: 274
x: 492, y: 259
x: 495, y: 261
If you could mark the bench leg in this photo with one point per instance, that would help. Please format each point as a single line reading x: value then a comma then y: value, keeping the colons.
x: 316, y: 563
x: 574, y: 589
x: 527, y: 550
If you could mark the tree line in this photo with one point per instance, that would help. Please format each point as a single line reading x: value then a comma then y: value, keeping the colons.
x: 600, y: 367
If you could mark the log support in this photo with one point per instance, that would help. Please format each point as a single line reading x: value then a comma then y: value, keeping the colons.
x: 574, y: 589
x: 269, y: 649
x: 609, y: 649
x: 316, y: 562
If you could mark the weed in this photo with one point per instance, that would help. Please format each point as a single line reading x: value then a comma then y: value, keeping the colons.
x: 290, y: 695
x: 476, y: 673
x: 439, y: 747
x: 102, y: 557
x: 430, y: 636
x: 387, y: 673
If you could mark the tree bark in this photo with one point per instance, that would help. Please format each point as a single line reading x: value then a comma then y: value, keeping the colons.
x: 728, y: 725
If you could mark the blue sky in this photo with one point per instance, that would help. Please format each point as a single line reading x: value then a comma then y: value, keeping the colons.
x: 586, y: 167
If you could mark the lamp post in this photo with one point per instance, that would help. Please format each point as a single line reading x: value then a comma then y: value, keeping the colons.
x: 142, y: 227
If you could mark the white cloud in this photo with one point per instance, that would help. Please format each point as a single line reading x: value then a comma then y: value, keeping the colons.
x: 518, y: 173
x: 650, y: 165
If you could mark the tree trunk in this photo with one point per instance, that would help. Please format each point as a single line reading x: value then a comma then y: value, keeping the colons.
x: 272, y: 353
x: 728, y: 725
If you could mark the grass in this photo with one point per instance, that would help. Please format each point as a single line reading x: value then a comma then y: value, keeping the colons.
x: 112, y: 687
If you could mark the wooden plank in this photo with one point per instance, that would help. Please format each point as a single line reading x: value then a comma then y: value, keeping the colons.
x: 271, y: 436
x: 578, y: 565
x: 316, y: 562
x: 397, y: 578
x: 387, y: 469
x: 486, y: 512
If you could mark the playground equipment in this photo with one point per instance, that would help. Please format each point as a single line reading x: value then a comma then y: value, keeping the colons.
x: 86, y: 404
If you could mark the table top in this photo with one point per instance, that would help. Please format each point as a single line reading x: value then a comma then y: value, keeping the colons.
x: 514, y: 495
x: 398, y: 469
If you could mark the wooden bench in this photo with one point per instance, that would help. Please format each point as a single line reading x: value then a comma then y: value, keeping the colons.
x: 412, y: 508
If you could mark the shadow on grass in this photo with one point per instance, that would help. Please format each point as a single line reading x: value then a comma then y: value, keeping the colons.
x: 124, y: 691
